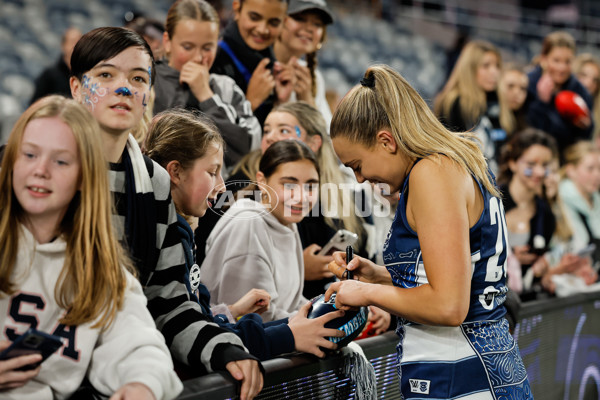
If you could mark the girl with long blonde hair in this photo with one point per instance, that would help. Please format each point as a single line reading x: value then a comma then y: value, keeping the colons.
x: 446, y: 248
x: 60, y: 255
x: 463, y: 100
x: 469, y: 100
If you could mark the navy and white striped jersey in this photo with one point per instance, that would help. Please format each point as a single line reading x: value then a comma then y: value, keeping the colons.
x: 479, y: 359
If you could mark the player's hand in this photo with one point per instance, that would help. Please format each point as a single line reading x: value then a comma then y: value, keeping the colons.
x: 364, y: 270
x: 350, y: 294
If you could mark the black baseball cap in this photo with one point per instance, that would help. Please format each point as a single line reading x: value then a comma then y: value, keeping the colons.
x: 298, y: 6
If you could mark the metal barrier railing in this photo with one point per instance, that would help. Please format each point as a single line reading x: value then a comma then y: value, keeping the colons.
x: 559, y: 340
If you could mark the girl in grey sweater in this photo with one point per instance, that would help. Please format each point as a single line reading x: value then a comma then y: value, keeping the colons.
x: 256, y: 243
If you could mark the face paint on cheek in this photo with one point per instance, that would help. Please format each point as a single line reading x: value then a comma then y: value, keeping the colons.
x: 298, y: 133
x: 528, y: 172
x: 144, y: 96
x: 150, y: 76
x: 92, y: 91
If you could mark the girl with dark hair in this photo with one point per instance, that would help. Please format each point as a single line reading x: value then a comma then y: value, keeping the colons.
x: 190, y: 148
x: 256, y: 244
x: 245, y: 54
x: 445, y: 254
x: 113, y: 72
x: 530, y: 221
x: 183, y: 78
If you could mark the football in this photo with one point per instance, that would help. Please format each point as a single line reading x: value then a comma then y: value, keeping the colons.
x: 570, y: 105
x: 352, y: 323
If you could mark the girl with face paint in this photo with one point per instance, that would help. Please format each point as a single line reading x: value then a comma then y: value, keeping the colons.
x: 525, y: 164
x: 183, y: 78
x: 112, y: 74
x: 553, y: 75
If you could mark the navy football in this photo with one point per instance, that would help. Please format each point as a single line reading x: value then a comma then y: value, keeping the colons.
x: 352, y: 323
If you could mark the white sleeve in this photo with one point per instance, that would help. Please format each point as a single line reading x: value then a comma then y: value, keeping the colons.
x: 321, y: 100
x: 133, y: 350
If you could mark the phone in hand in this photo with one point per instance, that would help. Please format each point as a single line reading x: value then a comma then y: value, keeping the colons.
x: 32, y: 342
x: 339, y: 242
x: 587, y: 250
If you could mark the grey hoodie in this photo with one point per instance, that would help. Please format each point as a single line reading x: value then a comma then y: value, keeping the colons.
x: 249, y: 248
x: 227, y: 108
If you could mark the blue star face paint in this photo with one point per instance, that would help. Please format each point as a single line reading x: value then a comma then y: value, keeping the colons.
x: 92, y: 91
x: 149, y: 76
x: 528, y: 172
x: 298, y: 132
x: 124, y: 91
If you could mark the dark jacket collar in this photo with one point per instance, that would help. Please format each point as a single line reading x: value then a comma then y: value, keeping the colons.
x: 248, y: 56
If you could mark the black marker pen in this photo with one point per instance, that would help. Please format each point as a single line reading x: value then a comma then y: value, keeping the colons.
x: 349, y: 256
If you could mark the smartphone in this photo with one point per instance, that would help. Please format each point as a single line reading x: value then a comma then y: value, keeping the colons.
x: 31, y: 342
x: 587, y: 250
x: 338, y: 242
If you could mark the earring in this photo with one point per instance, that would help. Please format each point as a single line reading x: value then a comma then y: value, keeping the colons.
x: 319, y: 46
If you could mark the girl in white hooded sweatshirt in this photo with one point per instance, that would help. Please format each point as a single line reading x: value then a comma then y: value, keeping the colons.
x: 63, y: 272
x: 256, y: 244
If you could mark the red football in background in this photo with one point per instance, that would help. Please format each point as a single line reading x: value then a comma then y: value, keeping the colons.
x: 571, y: 106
